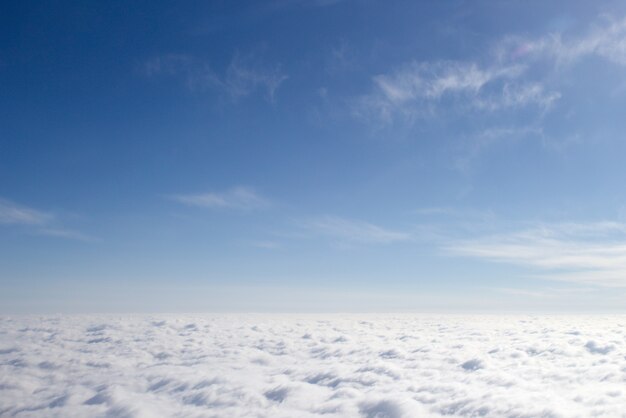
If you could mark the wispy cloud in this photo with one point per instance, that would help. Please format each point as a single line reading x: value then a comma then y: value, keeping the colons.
x: 349, y: 231
x: 243, y: 198
x: 244, y: 75
x: 593, y: 253
x: 13, y: 213
x: 37, y: 221
x: 516, y: 72
x: 420, y: 88
x: 605, y: 38
x: 518, y: 95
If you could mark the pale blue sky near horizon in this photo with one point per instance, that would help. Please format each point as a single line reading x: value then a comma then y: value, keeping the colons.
x: 312, y: 156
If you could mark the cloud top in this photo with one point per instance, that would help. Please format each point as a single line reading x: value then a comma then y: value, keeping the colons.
x: 332, y: 366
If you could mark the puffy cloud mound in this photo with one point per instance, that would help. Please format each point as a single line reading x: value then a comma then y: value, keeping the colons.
x: 373, y: 366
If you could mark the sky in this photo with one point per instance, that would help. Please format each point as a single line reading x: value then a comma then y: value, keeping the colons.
x: 312, y: 156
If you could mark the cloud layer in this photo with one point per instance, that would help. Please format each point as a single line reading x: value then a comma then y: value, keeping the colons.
x: 368, y: 366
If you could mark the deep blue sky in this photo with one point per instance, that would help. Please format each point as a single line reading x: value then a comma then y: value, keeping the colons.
x: 312, y: 155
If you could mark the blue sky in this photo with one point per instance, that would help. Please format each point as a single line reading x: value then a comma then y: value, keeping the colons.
x: 312, y: 156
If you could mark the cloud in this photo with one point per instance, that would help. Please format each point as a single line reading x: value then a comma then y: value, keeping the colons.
x: 353, y: 231
x: 243, y: 76
x: 419, y: 89
x: 243, y: 198
x: 432, y: 81
x: 605, y: 38
x: 38, y: 222
x: 515, y: 73
x: 12, y: 213
x: 592, y: 253
x: 518, y: 96
x: 332, y: 366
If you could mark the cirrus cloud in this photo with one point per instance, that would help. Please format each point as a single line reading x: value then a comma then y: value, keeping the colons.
x: 13, y: 213
x: 592, y: 253
x: 37, y: 221
x: 243, y: 198
x: 350, y: 231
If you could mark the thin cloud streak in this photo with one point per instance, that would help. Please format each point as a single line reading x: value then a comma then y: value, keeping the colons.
x: 12, y: 213
x: 242, y: 198
x: 605, y: 39
x: 592, y: 253
x: 351, y: 231
x: 418, y: 90
x: 37, y: 222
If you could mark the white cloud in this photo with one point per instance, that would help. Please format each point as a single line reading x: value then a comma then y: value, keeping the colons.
x: 237, y: 198
x: 434, y: 80
x: 513, y: 75
x: 519, y: 95
x: 418, y: 89
x: 354, y: 231
x: 593, y: 253
x: 12, y: 213
x: 332, y: 366
x: 606, y: 39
